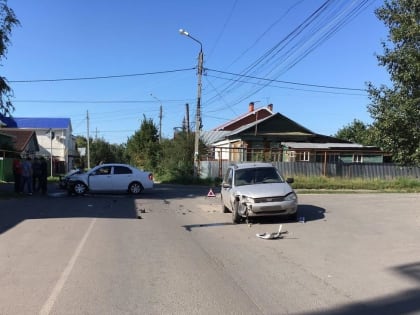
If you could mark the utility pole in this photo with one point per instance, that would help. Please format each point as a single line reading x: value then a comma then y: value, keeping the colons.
x: 52, y: 134
x: 198, y: 115
x: 87, y: 147
x: 160, y: 124
x: 160, y: 117
x: 198, y: 110
x: 187, y: 115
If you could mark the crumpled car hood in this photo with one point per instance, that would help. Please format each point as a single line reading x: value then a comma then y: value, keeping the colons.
x: 264, y: 190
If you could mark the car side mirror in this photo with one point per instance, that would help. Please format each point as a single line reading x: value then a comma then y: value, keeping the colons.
x: 225, y: 185
x: 290, y: 180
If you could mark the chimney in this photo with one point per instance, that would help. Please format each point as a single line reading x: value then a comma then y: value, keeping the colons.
x: 251, y: 107
x: 270, y: 107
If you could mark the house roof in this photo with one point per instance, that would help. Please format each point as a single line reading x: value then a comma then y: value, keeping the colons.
x: 259, y: 112
x: 327, y: 145
x: 21, y: 139
x: 213, y: 136
x: 36, y: 123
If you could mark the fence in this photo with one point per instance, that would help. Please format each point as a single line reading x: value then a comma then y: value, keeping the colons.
x: 214, y: 169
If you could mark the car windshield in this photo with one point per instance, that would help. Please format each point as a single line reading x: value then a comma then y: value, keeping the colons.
x: 260, y: 175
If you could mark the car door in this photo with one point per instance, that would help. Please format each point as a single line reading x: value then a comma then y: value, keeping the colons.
x: 122, y: 177
x: 226, y: 188
x: 101, y: 179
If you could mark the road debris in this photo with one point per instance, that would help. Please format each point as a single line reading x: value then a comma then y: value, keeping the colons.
x: 272, y: 236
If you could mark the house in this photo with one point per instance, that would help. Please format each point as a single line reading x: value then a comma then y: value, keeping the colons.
x: 54, y: 137
x: 18, y: 142
x: 262, y: 135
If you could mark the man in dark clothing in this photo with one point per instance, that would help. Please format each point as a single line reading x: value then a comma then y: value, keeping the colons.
x: 43, y: 176
x: 36, y: 175
x: 27, y: 176
x: 17, y: 174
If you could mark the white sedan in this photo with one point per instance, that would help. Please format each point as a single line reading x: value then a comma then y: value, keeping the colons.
x: 111, y: 178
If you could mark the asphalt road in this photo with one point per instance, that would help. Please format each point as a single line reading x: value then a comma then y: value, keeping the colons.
x: 172, y: 251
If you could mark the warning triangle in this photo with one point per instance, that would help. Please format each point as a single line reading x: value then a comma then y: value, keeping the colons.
x: 211, y: 193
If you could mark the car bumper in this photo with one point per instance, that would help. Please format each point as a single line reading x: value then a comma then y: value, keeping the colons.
x: 272, y: 208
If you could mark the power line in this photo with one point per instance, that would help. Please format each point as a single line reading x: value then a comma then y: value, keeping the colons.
x: 101, y: 77
x: 287, y: 82
x: 99, y: 102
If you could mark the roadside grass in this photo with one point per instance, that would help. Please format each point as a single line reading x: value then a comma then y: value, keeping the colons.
x: 321, y: 184
x: 333, y: 184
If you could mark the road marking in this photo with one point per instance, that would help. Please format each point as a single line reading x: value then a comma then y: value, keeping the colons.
x: 46, y: 309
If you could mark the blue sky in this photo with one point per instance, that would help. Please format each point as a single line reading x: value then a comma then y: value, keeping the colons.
x: 139, y: 42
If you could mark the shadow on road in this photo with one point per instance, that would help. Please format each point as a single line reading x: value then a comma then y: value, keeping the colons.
x: 311, y: 212
x: 403, y: 302
x: 58, y: 204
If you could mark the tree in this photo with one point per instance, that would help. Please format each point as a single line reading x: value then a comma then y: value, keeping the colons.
x: 357, y: 132
x: 7, y: 21
x: 176, y: 163
x: 101, y: 151
x: 396, y: 109
x: 143, y: 147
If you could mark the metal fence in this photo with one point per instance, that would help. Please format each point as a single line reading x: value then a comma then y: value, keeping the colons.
x: 214, y: 169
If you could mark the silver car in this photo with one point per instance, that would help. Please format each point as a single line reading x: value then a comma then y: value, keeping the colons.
x: 257, y: 189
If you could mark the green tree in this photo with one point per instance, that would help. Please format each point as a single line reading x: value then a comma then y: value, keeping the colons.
x: 143, y: 147
x: 100, y: 152
x: 7, y: 21
x: 176, y: 163
x: 396, y: 109
x: 357, y: 132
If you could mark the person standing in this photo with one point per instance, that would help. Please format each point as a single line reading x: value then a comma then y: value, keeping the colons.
x: 27, y: 176
x: 36, y: 175
x: 43, y: 176
x: 17, y: 174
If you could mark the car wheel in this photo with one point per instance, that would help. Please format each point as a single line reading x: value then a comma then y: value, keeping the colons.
x: 236, y: 218
x: 135, y: 188
x: 79, y: 188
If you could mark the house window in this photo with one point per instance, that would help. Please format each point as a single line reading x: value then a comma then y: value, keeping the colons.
x: 357, y: 158
x: 304, y: 156
x: 291, y: 155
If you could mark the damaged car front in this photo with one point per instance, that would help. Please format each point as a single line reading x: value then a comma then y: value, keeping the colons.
x: 257, y: 190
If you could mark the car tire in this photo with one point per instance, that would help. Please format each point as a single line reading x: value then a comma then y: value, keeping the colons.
x: 135, y: 188
x: 79, y: 188
x: 236, y: 218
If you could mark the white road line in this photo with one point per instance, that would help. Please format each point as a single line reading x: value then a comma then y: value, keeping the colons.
x: 46, y: 309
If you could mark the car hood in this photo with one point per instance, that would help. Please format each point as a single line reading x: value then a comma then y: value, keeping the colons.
x: 76, y: 177
x: 264, y: 190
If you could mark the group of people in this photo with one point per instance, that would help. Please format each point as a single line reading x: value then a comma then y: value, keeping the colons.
x: 30, y: 176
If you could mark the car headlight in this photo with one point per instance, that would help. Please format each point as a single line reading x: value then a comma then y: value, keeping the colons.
x: 247, y: 199
x: 291, y: 197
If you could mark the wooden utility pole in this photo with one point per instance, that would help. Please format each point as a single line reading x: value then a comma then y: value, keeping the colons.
x: 160, y: 124
x: 87, y: 147
x: 187, y: 116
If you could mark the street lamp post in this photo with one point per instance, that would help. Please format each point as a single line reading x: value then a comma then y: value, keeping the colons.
x: 198, y: 110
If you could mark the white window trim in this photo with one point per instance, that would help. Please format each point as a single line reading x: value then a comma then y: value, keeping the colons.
x: 357, y: 158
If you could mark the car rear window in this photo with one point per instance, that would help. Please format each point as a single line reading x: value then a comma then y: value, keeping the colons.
x: 122, y: 170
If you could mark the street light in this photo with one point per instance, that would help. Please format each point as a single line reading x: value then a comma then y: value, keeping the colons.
x: 198, y: 110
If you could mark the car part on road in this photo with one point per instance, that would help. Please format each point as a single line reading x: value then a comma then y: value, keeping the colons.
x: 272, y: 236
